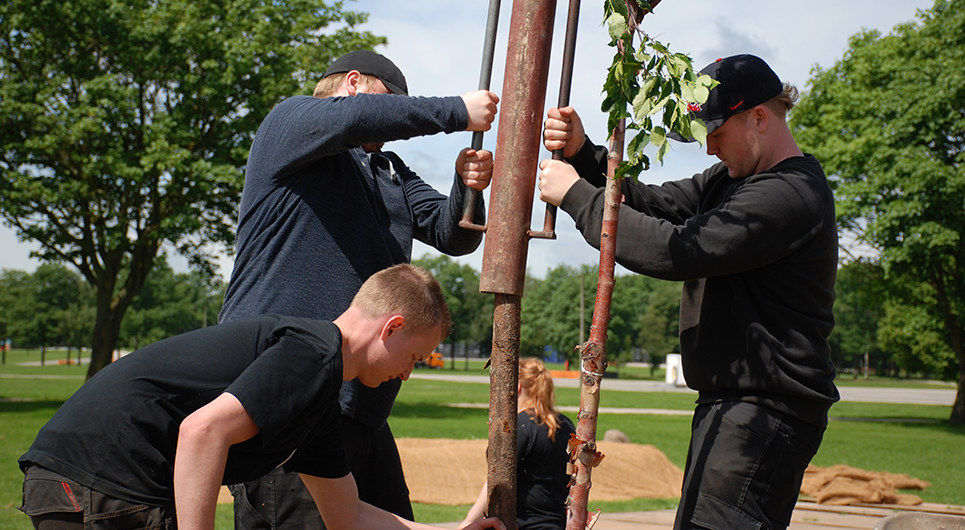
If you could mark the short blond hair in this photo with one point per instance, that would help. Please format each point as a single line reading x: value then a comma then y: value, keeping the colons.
x: 328, y: 85
x: 406, y: 290
x: 785, y: 101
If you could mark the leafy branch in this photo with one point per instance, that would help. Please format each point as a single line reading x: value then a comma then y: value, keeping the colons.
x: 650, y: 86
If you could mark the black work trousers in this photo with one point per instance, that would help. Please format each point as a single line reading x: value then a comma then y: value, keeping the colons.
x: 744, y: 467
x: 54, y: 502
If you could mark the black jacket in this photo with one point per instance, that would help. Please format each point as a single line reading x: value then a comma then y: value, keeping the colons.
x: 758, y: 258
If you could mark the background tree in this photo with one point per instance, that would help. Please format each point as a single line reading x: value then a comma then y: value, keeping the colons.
x: 858, y: 310
x: 472, y: 311
x: 888, y: 124
x: 17, y: 306
x: 51, y: 307
x: 170, y: 304
x: 125, y: 125
x: 643, y: 319
x: 643, y: 315
x: 62, y: 300
x: 551, y: 312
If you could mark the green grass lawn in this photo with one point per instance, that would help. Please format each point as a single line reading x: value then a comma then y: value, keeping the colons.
x: 915, y: 439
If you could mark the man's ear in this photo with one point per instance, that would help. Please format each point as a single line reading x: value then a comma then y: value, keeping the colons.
x: 353, y: 80
x: 393, y: 325
x: 761, y: 115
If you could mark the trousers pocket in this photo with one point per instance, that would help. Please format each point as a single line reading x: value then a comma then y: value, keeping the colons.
x: 714, y: 514
x: 47, y: 492
x: 109, y: 513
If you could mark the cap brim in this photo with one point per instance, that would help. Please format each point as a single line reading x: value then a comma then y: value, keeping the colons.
x: 395, y: 89
x: 712, y: 125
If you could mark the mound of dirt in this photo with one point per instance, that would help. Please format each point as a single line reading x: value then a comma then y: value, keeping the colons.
x: 453, y: 471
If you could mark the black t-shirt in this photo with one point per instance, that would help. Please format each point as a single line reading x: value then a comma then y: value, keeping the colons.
x: 118, y: 433
x: 541, y: 479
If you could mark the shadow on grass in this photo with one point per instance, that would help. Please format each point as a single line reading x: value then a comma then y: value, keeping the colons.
x: 931, y: 425
x: 434, y: 411
x: 24, y: 407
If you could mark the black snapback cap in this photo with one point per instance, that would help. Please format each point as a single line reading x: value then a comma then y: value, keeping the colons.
x: 370, y: 63
x: 745, y: 82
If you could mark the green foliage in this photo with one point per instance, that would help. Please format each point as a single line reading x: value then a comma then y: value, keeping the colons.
x: 52, y: 306
x: 55, y: 307
x: 643, y: 315
x: 472, y: 311
x: 551, y: 312
x: 887, y: 123
x: 858, y: 309
x: 170, y: 304
x: 917, y: 340
x: 651, y: 86
x: 124, y: 125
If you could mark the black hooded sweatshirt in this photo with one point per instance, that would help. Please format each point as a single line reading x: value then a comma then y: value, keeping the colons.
x: 758, y: 258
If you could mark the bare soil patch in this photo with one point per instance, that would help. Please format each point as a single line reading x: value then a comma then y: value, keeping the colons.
x: 452, y: 472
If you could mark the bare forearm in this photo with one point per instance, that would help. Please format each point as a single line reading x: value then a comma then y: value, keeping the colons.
x: 199, y: 465
x: 341, y: 509
x: 479, y: 508
x: 198, y: 468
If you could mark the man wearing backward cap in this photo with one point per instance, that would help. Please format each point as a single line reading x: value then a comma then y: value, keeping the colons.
x: 754, y: 240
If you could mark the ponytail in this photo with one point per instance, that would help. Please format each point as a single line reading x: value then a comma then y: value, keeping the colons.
x: 538, y: 383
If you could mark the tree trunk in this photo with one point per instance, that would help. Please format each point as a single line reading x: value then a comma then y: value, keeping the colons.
x: 107, y: 327
x: 583, y: 452
x: 111, y: 305
x: 958, y: 409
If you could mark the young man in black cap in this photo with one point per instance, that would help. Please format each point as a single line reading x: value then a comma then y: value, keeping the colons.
x: 754, y: 240
x: 148, y: 441
x: 323, y: 209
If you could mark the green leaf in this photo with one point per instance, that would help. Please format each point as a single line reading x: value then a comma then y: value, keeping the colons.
x: 688, y: 91
x: 617, y: 26
x: 698, y: 130
x: 658, y: 137
x: 662, y: 152
x: 637, y: 144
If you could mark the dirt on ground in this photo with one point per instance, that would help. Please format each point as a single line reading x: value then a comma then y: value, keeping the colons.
x: 453, y: 471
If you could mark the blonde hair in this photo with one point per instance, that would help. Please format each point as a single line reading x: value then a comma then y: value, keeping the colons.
x: 785, y: 101
x: 407, y: 290
x: 538, y: 384
x: 327, y: 86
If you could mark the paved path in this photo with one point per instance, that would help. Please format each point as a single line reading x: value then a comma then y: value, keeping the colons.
x: 924, y: 396
x: 916, y: 396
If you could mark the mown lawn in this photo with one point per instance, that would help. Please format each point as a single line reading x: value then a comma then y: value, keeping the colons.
x: 912, y: 439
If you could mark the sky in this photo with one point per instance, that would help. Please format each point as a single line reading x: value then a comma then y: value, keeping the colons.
x: 438, y: 45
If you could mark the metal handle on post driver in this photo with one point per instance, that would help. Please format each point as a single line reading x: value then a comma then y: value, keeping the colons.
x: 566, y: 81
x: 485, y: 77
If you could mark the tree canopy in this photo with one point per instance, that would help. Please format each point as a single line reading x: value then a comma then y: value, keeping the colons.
x: 125, y: 125
x: 887, y: 122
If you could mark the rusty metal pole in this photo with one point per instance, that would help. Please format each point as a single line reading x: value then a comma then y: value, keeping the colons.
x: 584, y: 455
x: 504, y: 257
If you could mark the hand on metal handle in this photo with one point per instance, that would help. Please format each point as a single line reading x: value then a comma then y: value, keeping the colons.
x: 566, y: 81
x: 485, y: 76
x: 469, y: 197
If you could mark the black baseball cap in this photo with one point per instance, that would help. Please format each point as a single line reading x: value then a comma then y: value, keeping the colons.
x: 370, y: 63
x: 745, y: 82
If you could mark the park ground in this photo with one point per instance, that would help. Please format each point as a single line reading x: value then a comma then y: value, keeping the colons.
x: 898, y: 433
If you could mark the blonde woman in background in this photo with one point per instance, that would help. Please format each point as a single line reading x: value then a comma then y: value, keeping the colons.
x: 542, y: 436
